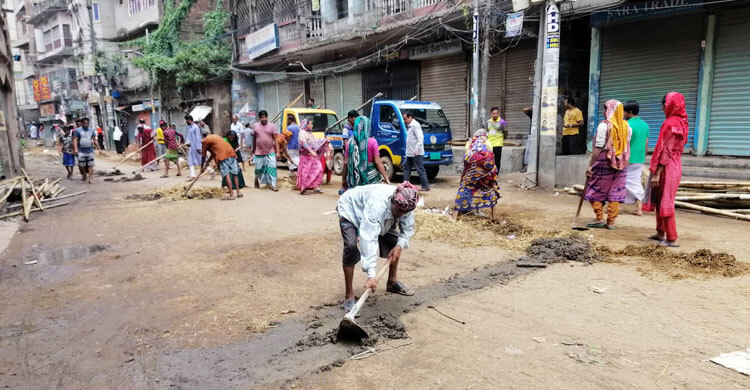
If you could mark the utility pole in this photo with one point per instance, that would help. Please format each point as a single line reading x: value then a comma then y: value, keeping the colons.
x: 532, y: 143
x: 548, y: 111
x: 151, y: 89
x: 475, y: 71
x: 485, y: 63
x: 94, y: 79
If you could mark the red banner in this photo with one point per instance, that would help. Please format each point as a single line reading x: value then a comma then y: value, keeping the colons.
x: 37, y: 90
x: 46, y: 92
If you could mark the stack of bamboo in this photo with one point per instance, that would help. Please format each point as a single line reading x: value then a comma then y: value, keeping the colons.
x: 729, y: 199
x: 33, y: 195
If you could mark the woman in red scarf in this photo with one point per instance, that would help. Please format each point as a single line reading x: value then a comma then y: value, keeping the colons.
x: 666, y: 169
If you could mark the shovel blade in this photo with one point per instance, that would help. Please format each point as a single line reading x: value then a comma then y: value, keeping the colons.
x: 349, y: 330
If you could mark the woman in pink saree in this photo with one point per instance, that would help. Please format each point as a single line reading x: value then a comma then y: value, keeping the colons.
x: 666, y: 169
x: 310, y: 170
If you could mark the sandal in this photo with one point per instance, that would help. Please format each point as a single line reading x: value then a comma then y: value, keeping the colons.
x: 227, y: 197
x: 164, y: 176
x: 399, y: 288
x: 668, y: 244
x: 349, y: 305
x: 596, y: 225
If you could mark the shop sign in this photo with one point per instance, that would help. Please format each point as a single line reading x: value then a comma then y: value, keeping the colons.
x: 262, y: 41
x: 648, y: 9
x: 553, y: 27
x: 37, y: 90
x: 46, y: 91
x: 47, y: 109
x: 435, y: 49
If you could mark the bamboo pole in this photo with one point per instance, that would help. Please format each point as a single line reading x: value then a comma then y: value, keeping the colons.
x: 277, y: 116
x: 344, y: 115
x: 33, y: 191
x: 739, y: 211
x: 715, y: 183
x: 132, y: 154
x: 711, y: 210
x: 7, y: 194
x: 24, y: 202
x: 15, y: 206
x: 17, y: 213
x: 694, y: 198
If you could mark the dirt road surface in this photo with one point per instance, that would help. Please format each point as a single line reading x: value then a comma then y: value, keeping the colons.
x: 208, y: 294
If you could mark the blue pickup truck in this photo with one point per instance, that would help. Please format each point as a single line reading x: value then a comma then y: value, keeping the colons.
x: 389, y: 129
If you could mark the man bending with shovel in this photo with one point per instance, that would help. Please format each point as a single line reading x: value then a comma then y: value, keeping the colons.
x: 384, y: 221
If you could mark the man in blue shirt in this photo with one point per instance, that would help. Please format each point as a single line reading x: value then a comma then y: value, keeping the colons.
x: 293, y: 146
x: 83, y: 146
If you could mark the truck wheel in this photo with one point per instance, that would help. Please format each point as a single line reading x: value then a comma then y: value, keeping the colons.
x: 338, y: 163
x: 432, y: 172
x: 388, y: 165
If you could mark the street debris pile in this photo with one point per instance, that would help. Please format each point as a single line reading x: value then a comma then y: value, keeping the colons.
x: 20, y: 196
x: 728, y: 199
x: 560, y: 250
x: 136, y: 177
x: 680, y: 265
x: 115, y: 172
x: 476, y: 231
x: 385, y: 326
x: 178, y: 193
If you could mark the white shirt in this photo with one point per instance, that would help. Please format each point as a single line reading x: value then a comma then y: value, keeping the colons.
x: 414, y: 139
x: 237, y: 127
x: 601, y: 134
x: 368, y: 208
x: 34, y: 131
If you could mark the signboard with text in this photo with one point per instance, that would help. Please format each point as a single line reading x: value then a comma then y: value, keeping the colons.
x: 514, y: 25
x: 262, y: 41
x: 649, y: 9
x: 46, y: 91
x: 37, y: 90
x: 435, y: 49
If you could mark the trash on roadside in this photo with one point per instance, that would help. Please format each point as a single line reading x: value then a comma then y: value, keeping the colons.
x: 738, y: 361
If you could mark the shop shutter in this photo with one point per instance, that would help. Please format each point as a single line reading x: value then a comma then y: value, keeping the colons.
x: 352, y: 93
x: 295, y: 88
x: 644, y: 61
x: 729, y: 127
x: 317, y: 91
x: 269, y: 98
x: 284, y: 98
x: 333, y: 93
x: 443, y: 81
x: 396, y: 80
x: 495, y: 85
x: 519, y: 88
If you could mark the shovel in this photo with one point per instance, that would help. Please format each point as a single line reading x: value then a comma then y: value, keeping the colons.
x: 576, y: 226
x: 348, y: 328
x: 187, y: 189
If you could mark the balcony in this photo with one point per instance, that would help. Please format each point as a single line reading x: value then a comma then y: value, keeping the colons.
x: 21, y: 42
x: 46, y: 8
x: 306, y: 29
x: 54, y: 54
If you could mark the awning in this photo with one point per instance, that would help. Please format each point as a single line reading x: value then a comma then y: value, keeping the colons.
x: 200, y: 112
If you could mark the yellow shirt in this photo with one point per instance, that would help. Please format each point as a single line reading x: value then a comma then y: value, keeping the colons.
x: 495, y: 136
x: 159, y: 135
x: 571, y: 118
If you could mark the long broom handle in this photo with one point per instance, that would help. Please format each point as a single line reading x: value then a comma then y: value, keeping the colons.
x: 379, y: 94
x: 277, y: 116
x: 148, y: 163
x: 363, y: 298
x: 132, y: 154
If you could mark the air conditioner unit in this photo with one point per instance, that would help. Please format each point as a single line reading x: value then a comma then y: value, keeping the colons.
x: 520, y: 5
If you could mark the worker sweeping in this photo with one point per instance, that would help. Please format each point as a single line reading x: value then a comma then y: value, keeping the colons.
x: 383, y: 219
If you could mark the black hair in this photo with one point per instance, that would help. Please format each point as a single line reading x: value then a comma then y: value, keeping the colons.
x: 188, y: 117
x: 571, y: 100
x: 352, y: 114
x: 85, y: 119
x: 291, y: 118
x: 141, y: 121
x: 495, y: 108
x: 664, y: 100
x: 632, y: 107
x: 409, y: 113
x: 162, y: 123
x: 311, y: 99
x: 262, y: 113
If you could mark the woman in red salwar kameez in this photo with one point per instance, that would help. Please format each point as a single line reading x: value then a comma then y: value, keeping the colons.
x: 666, y: 169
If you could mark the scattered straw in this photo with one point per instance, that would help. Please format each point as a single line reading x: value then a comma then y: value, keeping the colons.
x: 178, y: 193
x: 680, y: 265
x: 475, y: 231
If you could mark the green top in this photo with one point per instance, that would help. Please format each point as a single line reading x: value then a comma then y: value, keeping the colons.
x: 638, y: 140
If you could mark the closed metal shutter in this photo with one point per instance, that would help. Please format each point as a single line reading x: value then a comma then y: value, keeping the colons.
x: 729, y: 130
x: 270, y: 98
x: 519, y: 88
x: 396, y: 80
x: 333, y: 93
x: 495, y: 77
x: 443, y: 81
x: 284, y: 98
x: 294, y: 89
x: 317, y: 91
x: 352, y: 93
x: 647, y: 60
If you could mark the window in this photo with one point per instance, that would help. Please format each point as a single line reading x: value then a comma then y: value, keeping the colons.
x: 320, y: 122
x: 387, y: 114
x: 431, y: 119
x: 136, y: 6
x: 47, y: 37
x: 67, y: 36
x: 95, y: 8
x: 342, y: 8
x: 55, y: 35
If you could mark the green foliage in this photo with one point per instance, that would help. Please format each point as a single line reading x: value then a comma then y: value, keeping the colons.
x: 179, y: 64
x: 113, y: 68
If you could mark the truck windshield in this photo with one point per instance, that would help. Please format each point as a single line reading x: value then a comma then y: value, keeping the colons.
x: 432, y: 120
x: 320, y: 121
